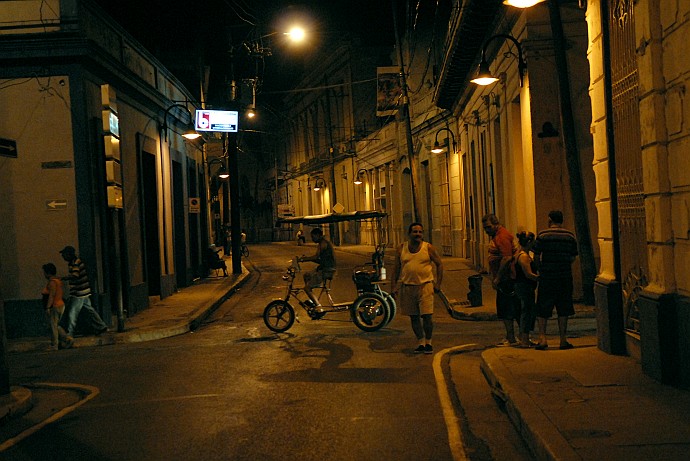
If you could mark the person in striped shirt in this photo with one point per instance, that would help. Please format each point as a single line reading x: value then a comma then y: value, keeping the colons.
x: 80, y: 293
x: 555, y: 250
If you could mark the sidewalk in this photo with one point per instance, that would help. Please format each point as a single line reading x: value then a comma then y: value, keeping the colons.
x: 580, y: 404
x: 174, y: 315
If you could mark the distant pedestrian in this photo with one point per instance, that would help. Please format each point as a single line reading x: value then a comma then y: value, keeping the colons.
x: 555, y: 249
x: 414, y: 284
x: 54, y: 306
x: 214, y: 261
x: 526, y: 278
x: 502, y: 248
x: 301, y: 240
x: 80, y: 292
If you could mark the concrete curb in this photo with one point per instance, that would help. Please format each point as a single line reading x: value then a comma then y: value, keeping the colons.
x: 538, y: 432
x: 15, y: 404
x: 175, y: 328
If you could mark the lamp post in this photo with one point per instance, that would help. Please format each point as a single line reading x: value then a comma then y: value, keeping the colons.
x: 484, y: 76
x: 189, y: 132
x: 437, y: 149
x: 358, y: 176
x: 319, y: 183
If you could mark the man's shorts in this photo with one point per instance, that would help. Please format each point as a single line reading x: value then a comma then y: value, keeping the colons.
x: 316, y: 277
x: 558, y: 293
x: 508, y: 305
x: 416, y: 299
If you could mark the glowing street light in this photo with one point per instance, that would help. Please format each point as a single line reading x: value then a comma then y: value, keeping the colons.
x: 296, y: 34
x: 522, y: 3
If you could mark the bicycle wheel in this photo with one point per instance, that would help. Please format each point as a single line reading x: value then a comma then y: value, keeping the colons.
x: 369, y: 312
x: 392, y: 305
x: 279, y: 315
x: 245, y: 251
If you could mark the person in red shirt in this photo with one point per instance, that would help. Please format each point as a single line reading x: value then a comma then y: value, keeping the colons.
x: 501, y: 251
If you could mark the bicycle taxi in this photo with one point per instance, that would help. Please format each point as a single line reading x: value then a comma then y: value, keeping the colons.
x: 371, y: 310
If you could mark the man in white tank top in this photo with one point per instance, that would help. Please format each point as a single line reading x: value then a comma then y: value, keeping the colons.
x: 413, y: 284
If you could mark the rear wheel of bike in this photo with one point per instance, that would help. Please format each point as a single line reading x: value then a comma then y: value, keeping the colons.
x: 245, y: 251
x: 279, y: 316
x: 369, y: 312
x: 392, y: 305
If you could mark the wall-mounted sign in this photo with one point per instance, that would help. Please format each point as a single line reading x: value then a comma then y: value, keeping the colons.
x: 216, y: 120
x: 56, y: 165
x: 115, y: 196
x: 8, y: 148
x: 113, y: 172
x: 112, y: 147
x: 194, y: 205
x: 111, y: 123
x: 56, y: 204
x: 285, y: 211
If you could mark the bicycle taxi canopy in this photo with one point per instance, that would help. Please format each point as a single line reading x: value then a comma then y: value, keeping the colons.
x: 329, y: 218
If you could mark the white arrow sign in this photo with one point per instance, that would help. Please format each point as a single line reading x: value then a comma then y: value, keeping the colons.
x: 56, y: 204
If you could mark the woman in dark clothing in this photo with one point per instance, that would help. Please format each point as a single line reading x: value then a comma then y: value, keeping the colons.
x: 525, y: 286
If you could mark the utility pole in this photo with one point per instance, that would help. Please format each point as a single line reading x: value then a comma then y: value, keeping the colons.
x: 234, y: 180
x: 405, y: 114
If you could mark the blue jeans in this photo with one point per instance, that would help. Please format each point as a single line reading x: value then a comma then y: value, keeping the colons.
x: 75, y: 307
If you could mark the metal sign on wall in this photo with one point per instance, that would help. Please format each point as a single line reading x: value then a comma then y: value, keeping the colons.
x: 111, y: 139
x: 8, y: 148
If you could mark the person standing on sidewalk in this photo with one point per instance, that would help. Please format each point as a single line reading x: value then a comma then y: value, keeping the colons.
x: 555, y: 250
x: 54, y: 305
x: 525, y: 286
x: 413, y: 277
x: 80, y: 291
x: 501, y: 251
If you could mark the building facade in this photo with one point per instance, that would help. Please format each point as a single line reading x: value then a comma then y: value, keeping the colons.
x: 99, y: 164
x: 639, y: 72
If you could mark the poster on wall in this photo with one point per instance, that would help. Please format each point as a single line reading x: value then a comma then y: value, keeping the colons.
x: 388, y: 91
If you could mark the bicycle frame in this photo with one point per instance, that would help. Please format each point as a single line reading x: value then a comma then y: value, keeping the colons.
x: 293, y: 292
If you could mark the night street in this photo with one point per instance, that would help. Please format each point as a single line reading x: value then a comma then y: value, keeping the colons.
x: 233, y: 390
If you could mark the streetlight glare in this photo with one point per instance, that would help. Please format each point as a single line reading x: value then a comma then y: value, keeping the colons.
x: 522, y: 3
x: 296, y: 34
x: 483, y: 81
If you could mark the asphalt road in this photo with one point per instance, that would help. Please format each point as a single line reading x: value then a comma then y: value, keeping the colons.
x: 234, y: 390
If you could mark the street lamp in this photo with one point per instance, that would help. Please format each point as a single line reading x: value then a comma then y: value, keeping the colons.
x: 484, y: 76
x: 189, y: 132
x: 522, y: 3
x: 222, y: 171
x: 319, y: 183
x: 437, y: 149
x: 358, y: 176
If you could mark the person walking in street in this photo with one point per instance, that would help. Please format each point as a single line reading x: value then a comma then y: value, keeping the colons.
x: 80, y: 291
x: 555, y: 249
x: 501, y: 251
x: 300, y: 238
x: 325, y: 258
x: 525, y: 286
x: 54, y: 305
x: 414, y: 284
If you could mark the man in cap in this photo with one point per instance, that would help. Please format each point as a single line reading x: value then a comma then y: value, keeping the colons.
x: 80, y: 293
